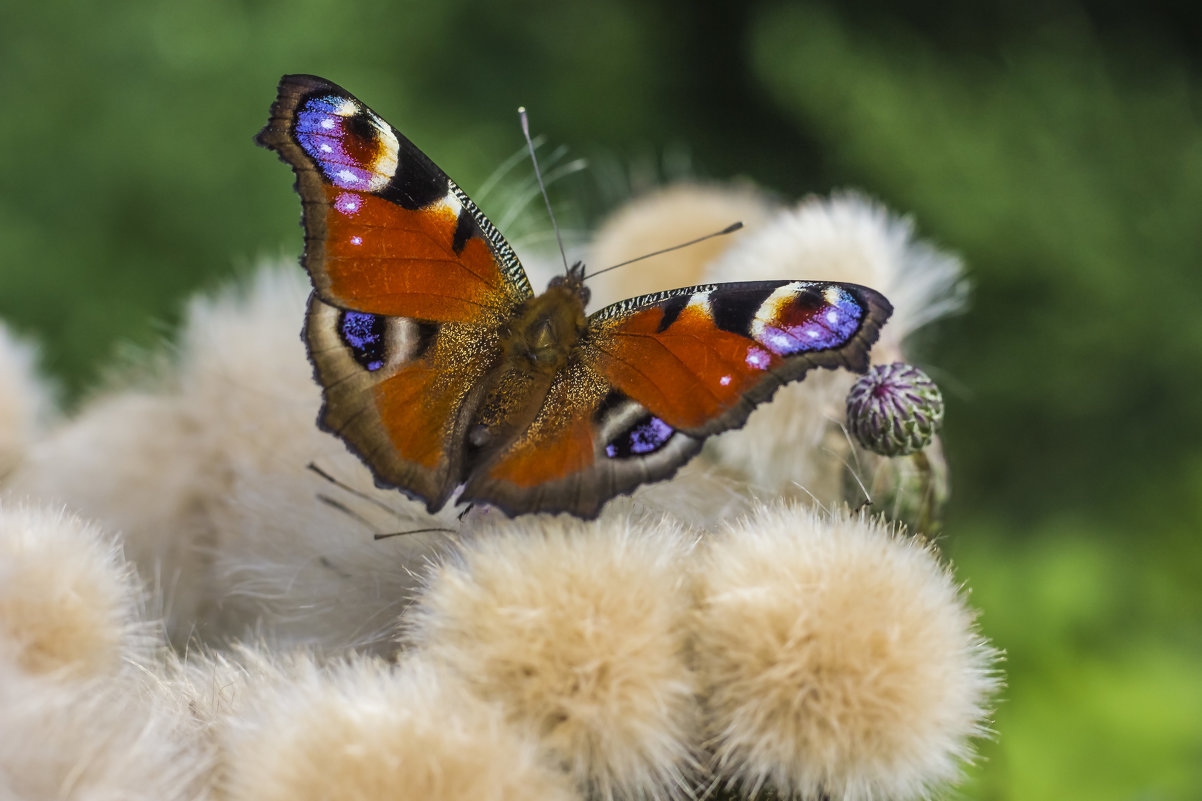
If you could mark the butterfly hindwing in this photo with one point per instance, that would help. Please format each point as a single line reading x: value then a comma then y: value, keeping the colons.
x: 587, y: 444
x: 386, y: 231
x: 399, y: 392
x: 653, y: 376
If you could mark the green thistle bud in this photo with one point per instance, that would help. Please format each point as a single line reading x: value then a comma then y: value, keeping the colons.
x: 894, y: 410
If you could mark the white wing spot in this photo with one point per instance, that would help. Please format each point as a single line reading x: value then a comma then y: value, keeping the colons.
x: 724, y: 380
x: 778, y: 341
x: 450, y: 204
x: 328, y: 124
x: 832, y: 316
x: 701, y: 300
x: 348, y: 176
x: 385, y: 164
x: 356, y: 240
x: 757, y: 358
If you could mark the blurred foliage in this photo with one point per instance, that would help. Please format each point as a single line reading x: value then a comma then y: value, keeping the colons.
x: 1056, y: 146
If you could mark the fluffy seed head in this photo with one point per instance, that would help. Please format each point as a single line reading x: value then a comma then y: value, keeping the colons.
x: 836, y: 657
x: 282, y: 562
x: 68, y: 602
x: 894, y: 409
x: 578, y: 630
x: 132, y: 462
x: 366, y: 730
x: 95, y: 738
x: 203, y: 471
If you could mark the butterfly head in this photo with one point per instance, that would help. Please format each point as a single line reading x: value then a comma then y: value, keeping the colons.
x: 574, y: 281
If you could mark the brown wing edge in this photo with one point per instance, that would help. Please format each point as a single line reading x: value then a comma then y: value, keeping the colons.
x: 277, y: 135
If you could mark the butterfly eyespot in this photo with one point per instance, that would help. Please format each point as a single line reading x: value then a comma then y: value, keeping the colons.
x: 646, y: 435
x: 351, y: 148
x: 364, y: 335
x: 800, y: 318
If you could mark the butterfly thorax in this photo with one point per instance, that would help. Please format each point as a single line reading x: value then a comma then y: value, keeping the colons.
x: 546, y: 328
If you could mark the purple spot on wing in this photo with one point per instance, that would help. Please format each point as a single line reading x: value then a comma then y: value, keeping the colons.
x: 647, y: 435
x: 650, y: 436
x: 322, y: 133
x: 780, y: 341
x: 364, y: 335
x: 758, y: 358
x: 348, y: 204
x: 827, y: 325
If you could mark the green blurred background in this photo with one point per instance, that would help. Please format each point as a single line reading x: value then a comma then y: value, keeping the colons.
x: 1056, y: 146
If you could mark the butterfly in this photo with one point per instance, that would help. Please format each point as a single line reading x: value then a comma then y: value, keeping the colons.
x: 441, y: 369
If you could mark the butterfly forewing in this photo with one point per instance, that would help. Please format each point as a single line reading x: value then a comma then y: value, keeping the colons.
x: 386, y: 231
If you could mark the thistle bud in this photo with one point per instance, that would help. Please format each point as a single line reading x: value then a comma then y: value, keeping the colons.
x: 894, y: 409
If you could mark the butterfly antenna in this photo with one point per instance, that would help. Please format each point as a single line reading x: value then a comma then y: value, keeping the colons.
x: 542, y: 187
x: 730, y: 229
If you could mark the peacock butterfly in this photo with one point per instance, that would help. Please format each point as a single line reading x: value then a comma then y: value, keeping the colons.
x: 441, y: 369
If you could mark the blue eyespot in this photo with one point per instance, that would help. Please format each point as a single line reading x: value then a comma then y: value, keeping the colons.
x: 646, y: 435
x: 364, y: 335
x: 323, y: 131
x: 811, y: 323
